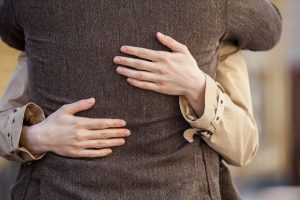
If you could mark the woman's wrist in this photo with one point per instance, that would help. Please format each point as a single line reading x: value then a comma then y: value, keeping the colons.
x: 196, y: 94
x: 30, y: 139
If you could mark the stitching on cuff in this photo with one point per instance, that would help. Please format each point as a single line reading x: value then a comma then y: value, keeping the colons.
x: 218, y: 115
x: 11, y: 131
x: 220, y: 110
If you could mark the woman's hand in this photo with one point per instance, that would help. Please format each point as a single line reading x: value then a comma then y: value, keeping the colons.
x: 68, y: 135
x: 172, y: 73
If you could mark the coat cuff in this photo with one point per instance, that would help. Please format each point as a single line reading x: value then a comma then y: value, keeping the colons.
x: 29, y: 114
x: 213, y: 111
x: 23, y: 155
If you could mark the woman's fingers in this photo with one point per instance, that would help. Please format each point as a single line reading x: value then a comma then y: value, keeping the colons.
x: 142, y: 52
x: 144, y: 85
x: 137, y: 74
x: 172, y: 43
x: 96, y: 124
x: 102, y: 143
x: 103, y: 134
x: 136, y: 63
x: 92, y: 153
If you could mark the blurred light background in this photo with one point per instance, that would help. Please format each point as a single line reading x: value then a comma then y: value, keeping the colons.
x: 275, y: 86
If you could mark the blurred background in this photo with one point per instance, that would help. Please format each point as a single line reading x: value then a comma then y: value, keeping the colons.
x: 275, y: 87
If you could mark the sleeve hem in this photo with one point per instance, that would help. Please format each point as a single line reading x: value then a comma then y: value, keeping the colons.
x: 30, y: 114
x: 23, y: 155
x: 15, y: 124
x: 211, y: 96
x: 214, y: 106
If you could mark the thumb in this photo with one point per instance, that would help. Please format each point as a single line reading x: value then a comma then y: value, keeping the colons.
x: 172, y: 43
x: 78, y: 106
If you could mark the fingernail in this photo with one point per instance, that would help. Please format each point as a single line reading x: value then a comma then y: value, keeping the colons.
x: 160, y: 34
x: 116, y: 59
x: 90, y: 100
x: 122, y: 141
x: 128, y: 132
x: 123, y: 123
x: 123, y: 48
x: 109, y: 151
x: 119, y: 69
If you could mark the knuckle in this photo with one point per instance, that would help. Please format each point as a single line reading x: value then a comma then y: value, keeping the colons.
x: 140, y: 75
x: 138, y: 62
x: 102, y: 125
x: 78, y: 135
x: 90, y: 154
x: 103, y: 135
x: 74, y: 153
x: 76, y: 145
x: 76, y: 123
x: 163, y: 58
x: 159, y: 80
x: 100, y: 143
x: 139, y: 52
x: 161, y: 69
x: 169, y: 62
x: 167, y: 58
x: 162, y: 88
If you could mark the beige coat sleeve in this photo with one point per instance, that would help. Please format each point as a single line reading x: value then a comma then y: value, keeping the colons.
x: 14, y: 110
x: 227, y: 125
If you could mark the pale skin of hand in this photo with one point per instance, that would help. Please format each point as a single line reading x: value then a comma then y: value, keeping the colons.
x: 172, y: 73
x: 72, y: 136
